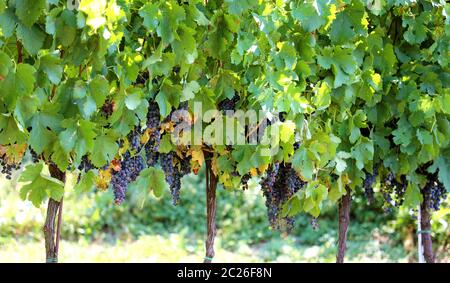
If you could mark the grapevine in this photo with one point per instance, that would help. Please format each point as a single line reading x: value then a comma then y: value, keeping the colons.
x: 355, y: 95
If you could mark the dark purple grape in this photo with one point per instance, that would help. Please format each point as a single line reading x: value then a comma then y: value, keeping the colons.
x: 153, y: 125
x: 244, y: 181
x: 368, y: 184
x: 280, y: 183
x: 434, y: 193
x: 229, y: 104
x: 130, y: 168
x: 85, y: 164
x: 108, y: 108
x: 174, y: 169
x: 8, y: 168
x: 393, y: 191
x: 34, y: 156
x: 173, y: 175
x: 134, y: 138
x: 314, y: 224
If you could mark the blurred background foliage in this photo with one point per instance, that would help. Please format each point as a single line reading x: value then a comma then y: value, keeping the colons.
x: 146, y: 229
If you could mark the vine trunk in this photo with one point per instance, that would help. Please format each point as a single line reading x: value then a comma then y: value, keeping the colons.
x: 425, y: 227
x: 54, y: 209
x: 211, y: 184
x: 344, y: 221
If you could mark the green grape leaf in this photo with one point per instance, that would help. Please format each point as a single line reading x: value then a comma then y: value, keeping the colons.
x: 2, y: 6
x: 303, y: 163
x: 39, y: 186
x: 5, y: 64
x: 32, y: 38
x: 87, y: 182
x: 133, y: 100
x: 78, y: 136
x: 341, y: 164
x: 348, y: 24
x: 442, y: 164
x: 42, y: 123
x: 99, y: 89
x: 165, y: 145
x: 105, y: 148
x: 79, y: 90
x: 26, y: 107
x: 310, y: 17
x: 66, y: 28
x: 322, y: 99
x: 242, y: 154
x: 363, y: 152
x: 404, y: 133
x: 18, y: 84
x: 151, y: 179
x: 150, y: 13
x: 10, y: 132
x: 189, y: 91
x: 287, y: 130
x: 337, y: 190
x: 51, y: 66
x: 59, y: 157
x: 8, y: 22
x: 341, y: 61
x: 413, y: 197
x: 29, y: 11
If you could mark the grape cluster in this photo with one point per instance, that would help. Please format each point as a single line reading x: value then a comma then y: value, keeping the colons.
x: 314, y: 224
x: 153, y: 125
x: 244, y: 181
x: 108, y: 108
x: 143, y: 78
x: 368, y: 183
x: 229, y: 104
x: 130, y: 167
x: 280, y: 183
x: 434, y: 193
x: 174, y: 169
x: 185, y: 165
x: 34, y: 156
x: 173, y: 175
x: 85, y: 164
x: 393, y: 191
x: 8, y: 168
x: 292, y: 180
x: 135, y: 139
x: 178, y: 116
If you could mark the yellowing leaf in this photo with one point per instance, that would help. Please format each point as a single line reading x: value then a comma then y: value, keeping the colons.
x: 198, y: 157
x: 103, y: 179
x: 287, y: 131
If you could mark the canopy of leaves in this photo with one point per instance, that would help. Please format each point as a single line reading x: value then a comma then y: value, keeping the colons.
x: 360, y: 82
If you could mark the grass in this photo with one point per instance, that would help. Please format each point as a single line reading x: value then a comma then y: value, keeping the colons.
x: 95, y: 230
x: 175, y: 248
